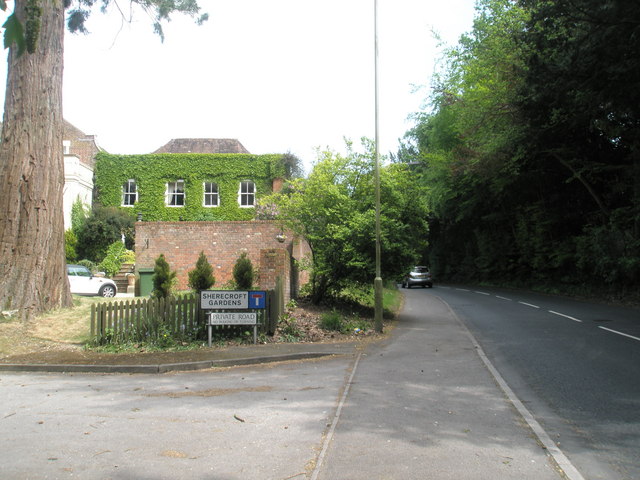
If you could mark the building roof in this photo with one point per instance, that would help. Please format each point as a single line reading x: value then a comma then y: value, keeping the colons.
x: 83, y: 146
x: 203, y: 145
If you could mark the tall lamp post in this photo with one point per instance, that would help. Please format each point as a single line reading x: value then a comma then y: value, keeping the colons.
x: 377, y: 283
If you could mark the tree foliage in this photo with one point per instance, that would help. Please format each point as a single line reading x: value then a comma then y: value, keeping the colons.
x: 243, y: 273
x: 24, y: 32
x: 201, y: 277
x: 116, y: 255
x: 164, y: 279
x: 70, y: 246
x: 530, y: 153
x: 334, y: 210
x: 79, y: 214
x: 103, y: 227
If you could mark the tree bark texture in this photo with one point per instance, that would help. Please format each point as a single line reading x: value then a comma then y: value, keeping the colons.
x: 32, y: 257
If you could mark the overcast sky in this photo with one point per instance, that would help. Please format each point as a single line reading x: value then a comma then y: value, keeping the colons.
x: 280, y: 75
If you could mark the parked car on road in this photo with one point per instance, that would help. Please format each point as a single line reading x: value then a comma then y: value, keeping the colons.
x: 83, y: 282
x: 418, y: 275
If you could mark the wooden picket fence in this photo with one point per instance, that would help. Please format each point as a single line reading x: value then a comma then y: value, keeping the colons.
x: 150, y: 319
x: 146, y: 319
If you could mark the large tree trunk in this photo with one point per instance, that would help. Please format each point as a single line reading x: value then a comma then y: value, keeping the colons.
x: 32, y: 259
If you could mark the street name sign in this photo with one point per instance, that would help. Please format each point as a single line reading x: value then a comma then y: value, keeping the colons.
x: 232, y: 300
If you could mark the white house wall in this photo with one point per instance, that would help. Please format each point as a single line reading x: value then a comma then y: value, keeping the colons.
x: 78, y: 183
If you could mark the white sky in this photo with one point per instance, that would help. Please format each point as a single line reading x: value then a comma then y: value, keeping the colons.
x: 283, y: 75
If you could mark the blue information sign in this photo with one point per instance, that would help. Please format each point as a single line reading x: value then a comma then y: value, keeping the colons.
x: 257, y: 299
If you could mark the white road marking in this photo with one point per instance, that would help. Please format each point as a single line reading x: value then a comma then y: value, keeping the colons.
x: 482, y: 293
x: 568, y: 469
x: 503, y: 298
x: 566, y: 316
x: 336, y: 417
x: 463, y: 289
x: 620, y: 333
x: 529, y: 305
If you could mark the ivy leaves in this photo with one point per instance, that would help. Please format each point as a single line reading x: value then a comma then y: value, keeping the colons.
x: 152, y: 172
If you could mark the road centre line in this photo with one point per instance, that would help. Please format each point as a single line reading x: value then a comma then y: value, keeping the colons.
x: 566, y: 316
x: 503, y: 298
x: 482, y: 293
x: 463, y: 289
x: 619, y: 333
x: 529, y: 304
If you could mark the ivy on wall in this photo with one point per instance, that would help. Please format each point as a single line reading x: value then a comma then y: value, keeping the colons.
x: 152, y: 172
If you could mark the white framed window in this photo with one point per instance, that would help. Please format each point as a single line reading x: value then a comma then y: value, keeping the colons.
x: 211, y: 195
x: 247, y: 194
x: 66, y: 147
x: 174, y: 195
x: 129, y: 193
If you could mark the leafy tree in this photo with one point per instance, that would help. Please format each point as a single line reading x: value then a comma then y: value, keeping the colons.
x: 333, y: 209
x: 102, y: 228
x: 529, y: 155
x: 292, y: 165
x: 201, y: 278
x: 79, y: 214
x: 492, y: 216
x: 582, y: 95
x: 70, y: 245
x: 164, y: 279
x: 243, y: 272
x: 32, y: 271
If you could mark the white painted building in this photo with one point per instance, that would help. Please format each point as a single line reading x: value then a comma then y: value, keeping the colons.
x: 79, y: 159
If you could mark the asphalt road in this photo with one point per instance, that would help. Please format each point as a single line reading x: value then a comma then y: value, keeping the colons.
x: 422, y: 404
x: 576, y: 365
x: 244, y: 423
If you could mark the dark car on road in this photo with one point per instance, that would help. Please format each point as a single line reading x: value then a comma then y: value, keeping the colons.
x: 418, y: 276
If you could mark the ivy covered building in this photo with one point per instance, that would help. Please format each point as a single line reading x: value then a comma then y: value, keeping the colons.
x: 178, y: 183
x: 200, y: 195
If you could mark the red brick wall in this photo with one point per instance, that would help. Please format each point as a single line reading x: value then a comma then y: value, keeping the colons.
x: 222, y: 243
x: 275, y: 262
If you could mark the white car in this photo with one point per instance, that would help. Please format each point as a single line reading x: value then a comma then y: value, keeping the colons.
x: 83, y: 282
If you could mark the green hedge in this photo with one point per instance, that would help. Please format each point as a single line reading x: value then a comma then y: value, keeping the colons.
x: 151, y: 172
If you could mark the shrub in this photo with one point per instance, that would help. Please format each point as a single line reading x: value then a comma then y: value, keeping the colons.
x: 288, y: 328
x: 89, y: 264
x: 356, y: 294
x: 243, y: 272
x: 117, y: 254
x: 163, y: 278
x: 79, y: 214
x: 111, y: 263
x: 331, y: 321
x: 201, y: 278
x: 101, y: 229
x: 70, y: 244
x: 128, y: 256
